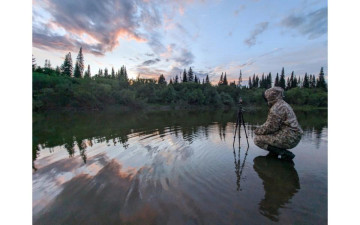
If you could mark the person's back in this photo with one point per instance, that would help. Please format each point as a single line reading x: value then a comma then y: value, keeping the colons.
x: 281, y: 130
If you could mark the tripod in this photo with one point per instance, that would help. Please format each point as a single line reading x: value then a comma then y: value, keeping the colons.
x: 240, y: 121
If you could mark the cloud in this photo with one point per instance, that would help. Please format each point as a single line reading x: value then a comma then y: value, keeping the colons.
x: 185, y: 58
x: 103, y: 21
x: 150, y: 62
x: 241, y: 8
x: 259, y: 28
x: 313, y: 24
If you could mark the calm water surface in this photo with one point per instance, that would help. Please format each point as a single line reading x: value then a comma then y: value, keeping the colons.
x: 173, y: 168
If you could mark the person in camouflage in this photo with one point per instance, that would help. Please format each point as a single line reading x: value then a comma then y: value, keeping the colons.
x: 281, y: 131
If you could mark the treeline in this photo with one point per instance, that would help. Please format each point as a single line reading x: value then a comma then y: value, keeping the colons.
x: 71, y: 88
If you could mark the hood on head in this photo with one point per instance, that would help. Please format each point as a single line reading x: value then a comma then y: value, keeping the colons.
x: 274, y: 94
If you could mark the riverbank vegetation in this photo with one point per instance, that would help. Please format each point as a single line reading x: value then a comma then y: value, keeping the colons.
x: 65, y: 88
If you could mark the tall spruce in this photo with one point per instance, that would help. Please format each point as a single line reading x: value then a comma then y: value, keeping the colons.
x: 225, y: 82
x: 282, y: 79
x: 87, y: 73
x: 162, y: 80
x: 321, y: 79
x: 207, y: 80
x: 306, y: 83
x: 176, y: 79
x: 106, y: 73
x: 221, y: 79
x: 67, y: 66
x: 184, y: 76
x: 112, y: 73
x: 33, y: 63
x: 277, y: 84
x: 190, y: 75
x: 79, y: 65
x: 240, y: 79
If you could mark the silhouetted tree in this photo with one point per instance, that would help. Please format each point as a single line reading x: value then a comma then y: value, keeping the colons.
x: 161, y: 80
x: 277, y: 81
x: 184, y: 76
x: 106, y: 73
x: 176, y: 79
x: 87, y: 73
x: 190, y: 75
x: 67, y: 67
x: 225, y: 82
x: 33, y: 63
x: 306, y: 83
x: 112, y: 73
x: 240, y: 79
x: 207, y: 80
x: 282, y: 79
x: 79, y: 65
x: 321, y: 79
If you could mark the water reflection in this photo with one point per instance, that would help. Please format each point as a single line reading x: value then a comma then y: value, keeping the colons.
x: 163, y: 168
x: 239, y: 167
x: 82, y: 130
x: 281, y: 183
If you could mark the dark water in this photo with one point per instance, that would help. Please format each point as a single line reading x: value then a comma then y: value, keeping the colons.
x: 173, y: 168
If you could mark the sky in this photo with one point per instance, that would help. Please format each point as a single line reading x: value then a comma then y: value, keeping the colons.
x: 165, y: 37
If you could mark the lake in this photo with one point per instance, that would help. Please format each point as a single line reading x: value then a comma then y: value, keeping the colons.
x: 174, y: 167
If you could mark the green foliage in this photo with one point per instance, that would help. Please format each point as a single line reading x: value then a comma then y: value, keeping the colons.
x: 52, y: 91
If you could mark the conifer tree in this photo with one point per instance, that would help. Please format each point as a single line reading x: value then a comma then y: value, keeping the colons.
x: 277, y: 84
x: 221, y: 79
x: 196, y: 79
x: 67, y: 67
x: 313, y: 85
x: 87, y: 73
x: 269, y: 80
x: 112, y: 73
x: 225, y: 82
x: 306, y: 83
x: 79, y: 65
x: 162, y: 80
x: 288, y: 84
x: 184, y: 76
x: 106, y: 73
x: 240, y: 79
x: 282, y: 79
x: 33, y: 63
x: 58, y: 70
x: 207, y: 80
x: 257, y: 81
x: 170, y: 82
x: 176, y: 79
x: 321, y: 79
x: 250, y: 83
x: 190, y: 75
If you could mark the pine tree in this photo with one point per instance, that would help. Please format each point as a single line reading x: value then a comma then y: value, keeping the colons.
x: 221, y: 79
x: 321, y: 79
x: 87, y: 73
x: 196, y: 79
x: 207, y: 80
x: 170, y: 82
x: 58, y: 70
x: 240, y: 79
x: 33, y: 63
x: 306, y: 83
x: 225, y: 82
x: 79, y: 65
x: 112, y: 73
x: 313, y: 85
x: 282, y: 79
x: 106, y: 73
x: 176, y: 79
x: 184, y: 76
x: 162, y: 80
x: 250, y: 83
x: 67, y: 67
x: 288, y: 84
x: 257, y: 81
x: 277, y: 84
x: 190, y: 75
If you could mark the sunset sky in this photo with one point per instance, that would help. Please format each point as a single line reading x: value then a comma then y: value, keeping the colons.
x: 164, y: 37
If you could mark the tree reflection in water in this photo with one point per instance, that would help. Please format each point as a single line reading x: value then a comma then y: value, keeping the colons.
x: 281, y: 183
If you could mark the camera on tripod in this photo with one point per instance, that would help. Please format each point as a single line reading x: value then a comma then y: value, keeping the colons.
x: 240, y: 121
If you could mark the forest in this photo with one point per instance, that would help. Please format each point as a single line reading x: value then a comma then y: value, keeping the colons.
x: 71, y: 87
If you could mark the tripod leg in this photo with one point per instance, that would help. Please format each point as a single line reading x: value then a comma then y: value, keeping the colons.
x: 243, y: 123
x: 236, y: 127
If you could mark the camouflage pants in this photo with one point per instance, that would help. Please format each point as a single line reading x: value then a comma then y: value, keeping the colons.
x: 285, y: 139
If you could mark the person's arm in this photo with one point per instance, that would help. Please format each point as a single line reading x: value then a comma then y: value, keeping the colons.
x: 271, y: 125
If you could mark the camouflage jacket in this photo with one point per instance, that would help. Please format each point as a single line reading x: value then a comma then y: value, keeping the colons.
x: 281, y: 115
